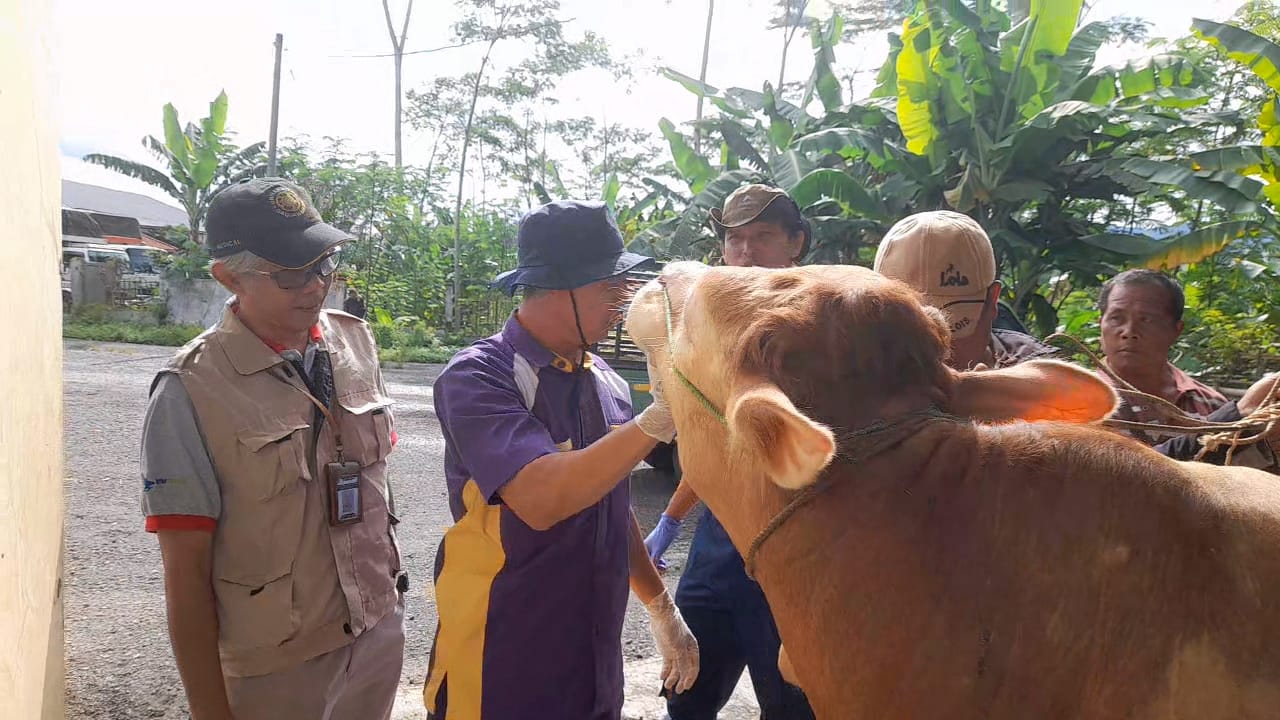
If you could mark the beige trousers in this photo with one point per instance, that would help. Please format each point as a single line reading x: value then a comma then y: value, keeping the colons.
x: 356, y: 682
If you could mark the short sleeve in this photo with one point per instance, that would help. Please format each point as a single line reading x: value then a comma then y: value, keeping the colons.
x: 179, y: 486
x: 486, y: 424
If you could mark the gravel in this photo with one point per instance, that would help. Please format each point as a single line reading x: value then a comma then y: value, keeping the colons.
x: 119, y: 664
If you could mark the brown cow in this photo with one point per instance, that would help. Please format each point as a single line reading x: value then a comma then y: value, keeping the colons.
x: 949, y: 569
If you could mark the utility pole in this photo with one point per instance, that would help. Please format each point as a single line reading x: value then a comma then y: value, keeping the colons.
x: 702, y: 76
x: 275, y: 109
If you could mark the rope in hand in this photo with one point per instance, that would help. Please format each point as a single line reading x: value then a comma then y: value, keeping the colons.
x: 878, y: 437
x: 1259, y: 424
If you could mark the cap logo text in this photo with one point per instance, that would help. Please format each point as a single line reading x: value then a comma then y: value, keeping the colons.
x: 951, y: 277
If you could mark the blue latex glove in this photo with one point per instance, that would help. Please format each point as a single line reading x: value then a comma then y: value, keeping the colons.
x: 661, y: 538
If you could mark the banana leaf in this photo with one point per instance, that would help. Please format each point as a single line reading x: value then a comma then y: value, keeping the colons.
x: 823, y: 80
x: 1233, y: 193
x: 693, y: 167
x: 916, y: 88
x: 693, y: 85
x: 737, y: 141
x: 1253, y: 51
x: 1196, y: 245
x: 788, y: 168
x: 826, y: 183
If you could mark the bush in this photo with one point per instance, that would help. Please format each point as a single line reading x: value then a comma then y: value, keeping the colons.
x: 438, y: 354
x: 170, y: 335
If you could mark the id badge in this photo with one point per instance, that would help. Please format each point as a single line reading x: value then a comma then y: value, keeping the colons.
x: 344, y: 493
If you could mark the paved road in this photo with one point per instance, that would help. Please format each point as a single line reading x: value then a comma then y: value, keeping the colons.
x: 119, y: 664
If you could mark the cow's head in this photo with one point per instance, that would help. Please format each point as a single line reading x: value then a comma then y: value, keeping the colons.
x: 789, y: 355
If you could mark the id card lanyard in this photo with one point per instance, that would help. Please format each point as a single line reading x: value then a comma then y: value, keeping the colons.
x: 342, y: 478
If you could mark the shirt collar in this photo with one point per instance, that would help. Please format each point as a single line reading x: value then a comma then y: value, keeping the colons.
x: 249, y: 353
x: 1183, y: 382
x: 528, y: 347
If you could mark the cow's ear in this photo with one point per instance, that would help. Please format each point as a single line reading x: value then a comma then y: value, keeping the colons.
x: 767, y: 431
x: 1033, y: 391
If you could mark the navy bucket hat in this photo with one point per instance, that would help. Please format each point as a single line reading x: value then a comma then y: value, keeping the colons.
x: 567, y: 244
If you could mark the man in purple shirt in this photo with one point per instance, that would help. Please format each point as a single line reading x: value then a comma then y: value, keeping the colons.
x: 531, y: 581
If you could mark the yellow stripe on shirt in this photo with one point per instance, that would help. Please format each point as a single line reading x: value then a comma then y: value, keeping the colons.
x: 473, y: 556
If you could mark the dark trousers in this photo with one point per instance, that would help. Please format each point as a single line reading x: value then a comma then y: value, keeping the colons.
x: 728, y: 644
x: 728, y: 613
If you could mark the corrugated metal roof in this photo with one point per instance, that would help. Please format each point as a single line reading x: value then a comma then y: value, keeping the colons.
x: 147, y: 211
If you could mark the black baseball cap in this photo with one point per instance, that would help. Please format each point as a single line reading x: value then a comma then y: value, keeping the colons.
x: 272, y: 218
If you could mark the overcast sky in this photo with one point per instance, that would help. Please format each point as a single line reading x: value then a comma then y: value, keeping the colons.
x: 119, y: 61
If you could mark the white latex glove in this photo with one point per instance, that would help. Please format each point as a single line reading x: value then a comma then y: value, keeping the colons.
x: 656, y: 420
x: 678, y: 646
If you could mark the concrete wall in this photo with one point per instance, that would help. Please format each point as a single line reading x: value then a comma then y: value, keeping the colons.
x: 31, y: 657
x: 200, y: 302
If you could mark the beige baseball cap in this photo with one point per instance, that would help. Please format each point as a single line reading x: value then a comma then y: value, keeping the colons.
x: 948, y: 257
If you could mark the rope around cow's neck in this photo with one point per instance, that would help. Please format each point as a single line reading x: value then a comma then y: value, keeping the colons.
x: 874, y: 439
x: 1263, y: 421
x: 883, y: 434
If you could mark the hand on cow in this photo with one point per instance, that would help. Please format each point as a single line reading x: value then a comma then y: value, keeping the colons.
x: 656, y: 421
x: 661, y: 538
x: 678, y: 646
x: 1262, y: 392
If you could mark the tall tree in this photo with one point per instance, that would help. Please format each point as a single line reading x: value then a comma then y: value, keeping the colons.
x: 397, y: 47
x: 550, y: 57
x: 199, y: 161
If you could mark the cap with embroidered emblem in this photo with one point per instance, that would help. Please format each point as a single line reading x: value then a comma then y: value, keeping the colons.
x: 272, y: 218
x: 948, y: 257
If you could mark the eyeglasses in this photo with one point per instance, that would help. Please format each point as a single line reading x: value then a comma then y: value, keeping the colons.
x: 294, y: 279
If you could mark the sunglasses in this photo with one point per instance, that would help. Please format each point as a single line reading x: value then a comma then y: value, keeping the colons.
x: 294, y: 279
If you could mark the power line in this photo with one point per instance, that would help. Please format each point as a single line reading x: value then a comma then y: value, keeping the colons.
x: 455, y: 46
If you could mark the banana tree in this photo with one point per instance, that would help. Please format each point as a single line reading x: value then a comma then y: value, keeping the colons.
x: 198, y: 160
x: 1011, y: 123
x: 1260, y: 161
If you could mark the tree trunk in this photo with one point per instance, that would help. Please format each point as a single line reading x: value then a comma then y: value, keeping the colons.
x: 397, y: 47
x: 702, y: 76
x: 451, y: 304
x: 399, y: 113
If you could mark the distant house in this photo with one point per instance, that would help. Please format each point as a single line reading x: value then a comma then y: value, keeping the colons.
x: 90, y: 212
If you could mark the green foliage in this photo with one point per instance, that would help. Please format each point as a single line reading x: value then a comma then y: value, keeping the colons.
x: 1014, y: 124
x: 169, y: 335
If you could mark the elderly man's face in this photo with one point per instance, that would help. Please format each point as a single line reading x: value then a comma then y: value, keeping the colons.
x: 295, y: 309
x: 600, y: 306
x: 1138, y: 328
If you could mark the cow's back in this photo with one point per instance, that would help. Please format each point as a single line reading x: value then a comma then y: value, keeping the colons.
x: 1046, y: 571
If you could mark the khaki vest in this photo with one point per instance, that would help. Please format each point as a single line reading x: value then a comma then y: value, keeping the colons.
x: 289, y: 586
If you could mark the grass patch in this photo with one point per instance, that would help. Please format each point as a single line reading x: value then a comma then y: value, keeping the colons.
x: 437, y: 354
x: 178, y: 335
x: 170, y: 335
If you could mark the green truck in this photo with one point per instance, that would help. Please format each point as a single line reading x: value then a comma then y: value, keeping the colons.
x: 623, y: 356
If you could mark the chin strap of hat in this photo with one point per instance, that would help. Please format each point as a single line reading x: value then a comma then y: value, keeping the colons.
x: 577, y: 320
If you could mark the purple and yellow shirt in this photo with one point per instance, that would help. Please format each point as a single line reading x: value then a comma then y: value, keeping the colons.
x: 530, y: 623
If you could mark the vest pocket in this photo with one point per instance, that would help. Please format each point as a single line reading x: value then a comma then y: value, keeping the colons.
x: 281, y: 453
x: 252, y: 615
x: 366, y: 426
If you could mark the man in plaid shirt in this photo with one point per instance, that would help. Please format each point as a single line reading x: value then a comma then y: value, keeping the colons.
x: 1141, y: 320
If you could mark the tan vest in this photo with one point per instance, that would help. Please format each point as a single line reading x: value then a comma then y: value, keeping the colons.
x: 288, y: 585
